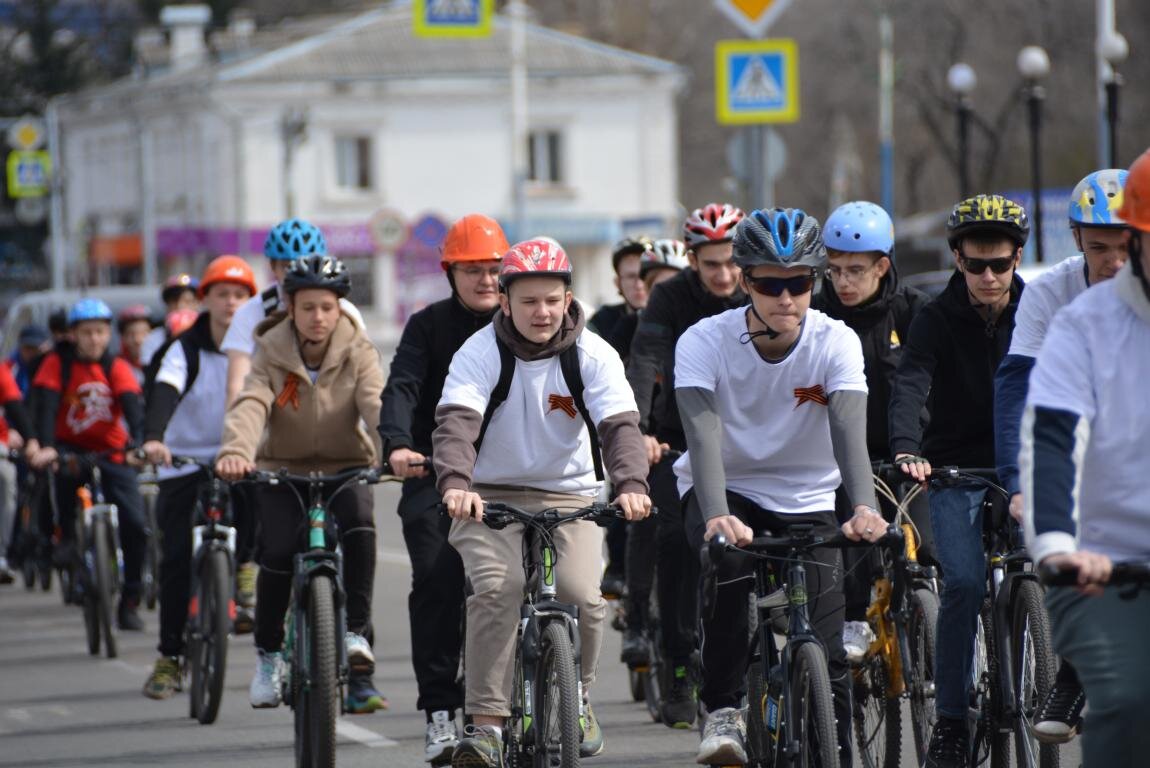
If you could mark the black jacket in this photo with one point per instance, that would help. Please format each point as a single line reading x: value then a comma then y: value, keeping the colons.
x: 430, y: 339
x: 673, y: 307
x: 616, y: 323
x: 882, y: 325
x: 948, y: 364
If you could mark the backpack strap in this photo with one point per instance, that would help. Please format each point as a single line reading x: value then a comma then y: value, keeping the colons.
x: 270, y: 299
x: 573, y: 375
x: 502, y: 387
x: 192, y: 357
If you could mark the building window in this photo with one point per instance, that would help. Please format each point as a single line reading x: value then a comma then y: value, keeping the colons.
x: 545, y: 157
x: 353, y: 162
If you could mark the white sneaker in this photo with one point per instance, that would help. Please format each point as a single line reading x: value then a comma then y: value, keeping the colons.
x: 360, y: 659
x: 442, y: 738
x: 265, y: 690
x: 857, y: 637
x: 7, y: 575
x: 724, y: 739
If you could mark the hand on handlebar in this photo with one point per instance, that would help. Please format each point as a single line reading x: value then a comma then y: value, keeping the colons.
x: 865, y: 524
x: 730, y: 528
x: 233, y: 468
x: 44, y: 457
x: 635, y: 506
x: 654, y: 449
x: 155, y: 452
x: 1093, y: 569
x: 1016, y: 507
x: 463, y: 505
x: 915, y: 466
x: 405, y: 463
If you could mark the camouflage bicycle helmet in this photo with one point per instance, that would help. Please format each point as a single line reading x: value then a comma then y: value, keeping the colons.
x: 783, y: 237
x: 318, y: 271
x: 987, y: 214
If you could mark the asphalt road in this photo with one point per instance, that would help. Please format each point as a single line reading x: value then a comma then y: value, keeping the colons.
x: 61, y: 707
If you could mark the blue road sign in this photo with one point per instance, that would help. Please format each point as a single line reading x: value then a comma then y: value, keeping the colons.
x: 756, y: 81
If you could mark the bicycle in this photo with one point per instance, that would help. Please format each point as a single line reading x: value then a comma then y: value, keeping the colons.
x: 546, y: 709
x: 1014, y: 664
x: 791, y: 719
x: 31, y: 547
x: 150, y: 571
x: 317, y: 666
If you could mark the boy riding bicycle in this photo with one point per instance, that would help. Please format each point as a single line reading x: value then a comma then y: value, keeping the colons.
x: 532, y: 450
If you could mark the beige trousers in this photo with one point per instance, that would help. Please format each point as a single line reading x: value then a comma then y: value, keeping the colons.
x: 493, y: 562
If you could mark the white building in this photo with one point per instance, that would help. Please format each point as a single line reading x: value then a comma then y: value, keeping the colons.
x: 344, y: 116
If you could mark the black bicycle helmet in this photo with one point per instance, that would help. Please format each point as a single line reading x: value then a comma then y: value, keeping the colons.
x: 318, y: 271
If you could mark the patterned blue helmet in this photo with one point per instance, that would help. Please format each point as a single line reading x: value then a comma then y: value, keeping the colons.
x: 784, y: 237
x: 1096, y: 199
x: 293, y: 238
x: 859, y: 227
x: 89, y: 309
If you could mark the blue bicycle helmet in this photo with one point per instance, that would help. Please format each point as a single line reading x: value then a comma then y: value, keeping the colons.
x: 89, y: 309
x: 293, y: 238
x: 859, y: 227
x: 1096, y: 199
x: 784, y: 237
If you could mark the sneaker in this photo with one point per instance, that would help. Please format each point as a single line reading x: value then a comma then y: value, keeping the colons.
x: 949, y: 745
x: 128, y: 615
x: 7, y: 575
x: 265, y: 690
x: 592, y: 743
x: 480, y: 747
x: 246, y: 585
x: 680, y: 705
x: 362, y: 698
x: 634, y: 653
x: 245, y: 621
x: 1060, y: 716
x: 360, y: 659
x: 165, y: 678
x: 442, y: 738
x: 724, y: 739
x: 857, y: 637
x: 613, y: 585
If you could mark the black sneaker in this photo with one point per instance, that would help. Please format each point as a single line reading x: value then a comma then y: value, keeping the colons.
x: 634, y: 653
x: 680, y: 706
x: 128, y: 615
x: 1060, y: 716
x: 949, y: 745
x: 613, y: 585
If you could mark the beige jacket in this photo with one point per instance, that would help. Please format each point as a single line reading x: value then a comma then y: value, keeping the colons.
x: 282, y: 420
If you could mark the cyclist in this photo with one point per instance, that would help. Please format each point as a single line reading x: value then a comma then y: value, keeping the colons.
x: 134, y: 324
x: 185, y: 416
x: 948, y: 363
x: 314, y: 376
x: 13, y: 414
x: 537, y: 325
x: 666, y: 258
x: 1084, y: 490
x: 861, y: 288
x: 178, y: 292
x: 773, y: 401
x: 83, y: 397
x: 31, y: 346
x: 1100, y: 236
x: 708, y: 287
x: 471, y: 253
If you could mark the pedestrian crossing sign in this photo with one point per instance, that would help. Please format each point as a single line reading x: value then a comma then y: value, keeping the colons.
x: 756, y: 81
x: 451, y: 18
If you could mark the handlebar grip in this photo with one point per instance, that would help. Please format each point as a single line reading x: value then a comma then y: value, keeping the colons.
x: 1053, y: 576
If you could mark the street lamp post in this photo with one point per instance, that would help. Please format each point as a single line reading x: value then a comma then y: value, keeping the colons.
x: 1034, y: 66
x: 1115, y: 50
x: 293, y: 130
x: 961, y: 80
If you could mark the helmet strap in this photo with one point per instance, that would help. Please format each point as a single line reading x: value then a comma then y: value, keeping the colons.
x: 749, y: 336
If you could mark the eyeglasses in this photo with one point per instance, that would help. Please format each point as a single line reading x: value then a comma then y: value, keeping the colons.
x: 978, y: 266
x: 476, y: 273
x: 850, y: 274
x: 774, y: 286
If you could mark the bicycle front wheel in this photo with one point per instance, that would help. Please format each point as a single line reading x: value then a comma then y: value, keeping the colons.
x: 1035, y: 667
x: 815, y: 730
x: 317, y: 702
x: 104, y: 565
x: 922, y: 623
x: 151, y: 569
x: 213, y: 625
x: 557, y: 702
x: 877, y: 715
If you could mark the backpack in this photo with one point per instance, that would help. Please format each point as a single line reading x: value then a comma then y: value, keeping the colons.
x: 572, y: 375
x: 67, y: 355
x: 191, y: 355
x: 270, y: 300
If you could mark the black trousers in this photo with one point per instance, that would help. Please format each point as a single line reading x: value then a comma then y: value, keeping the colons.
x: 435, y: 603
x: 676, y: 568
x: 175, y: 504
x: 281, y: 534
x: 725, y: 647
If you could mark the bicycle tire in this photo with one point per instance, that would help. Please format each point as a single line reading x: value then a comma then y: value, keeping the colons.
x: 103, y: 565
x: 921, y: 629
x: 759, y: 743
x: 45, y: 568
x: 28, y: 570
x: 91, y: 617
x: 998, y: 750
x: 557, y: 701
x: 811, y: 684
x: 877, y: 715
x: 653, y: 687
x: 1035, y: 666
x: 320, y: 697
x: 635, y: 683
x: 214, y: 626
x: 151, y: 569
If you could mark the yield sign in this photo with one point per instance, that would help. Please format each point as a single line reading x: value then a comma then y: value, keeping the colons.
x: 752, y: 16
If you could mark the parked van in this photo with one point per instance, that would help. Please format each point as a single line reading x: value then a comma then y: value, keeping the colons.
x: 35, y: 308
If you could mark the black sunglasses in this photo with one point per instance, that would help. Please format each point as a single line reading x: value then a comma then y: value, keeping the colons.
x: 978, y: 266
x: 774, y: 286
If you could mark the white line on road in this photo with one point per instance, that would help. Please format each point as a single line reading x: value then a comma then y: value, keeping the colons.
x: 363, y: 735
x: 135, y: 669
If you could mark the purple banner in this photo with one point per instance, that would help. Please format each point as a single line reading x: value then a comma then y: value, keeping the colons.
x: 173, y: 242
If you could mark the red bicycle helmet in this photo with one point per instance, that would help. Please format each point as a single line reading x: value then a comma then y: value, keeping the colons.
x: 713, y: 223
x: 540, y: 257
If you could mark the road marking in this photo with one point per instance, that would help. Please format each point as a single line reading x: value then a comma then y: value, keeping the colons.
x: 19, y: 714
x: 393, y: 556
x: 135, y: 669
x: 363, y: 735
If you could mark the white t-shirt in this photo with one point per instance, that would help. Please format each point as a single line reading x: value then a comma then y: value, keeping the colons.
x: 241, y: 335
x: 196, y: 427
x: 1043, y: 297
x: 776, y: 444
x: 152, y: 343
x: 537, y: 438
x: 1095, y: 363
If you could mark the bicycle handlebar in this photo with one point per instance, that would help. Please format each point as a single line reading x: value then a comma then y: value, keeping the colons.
x: 1120, y: 574
x: 804, y: 540
x: 364, y: 475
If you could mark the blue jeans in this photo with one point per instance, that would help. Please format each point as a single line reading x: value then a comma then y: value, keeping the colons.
x: 956, y: 520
